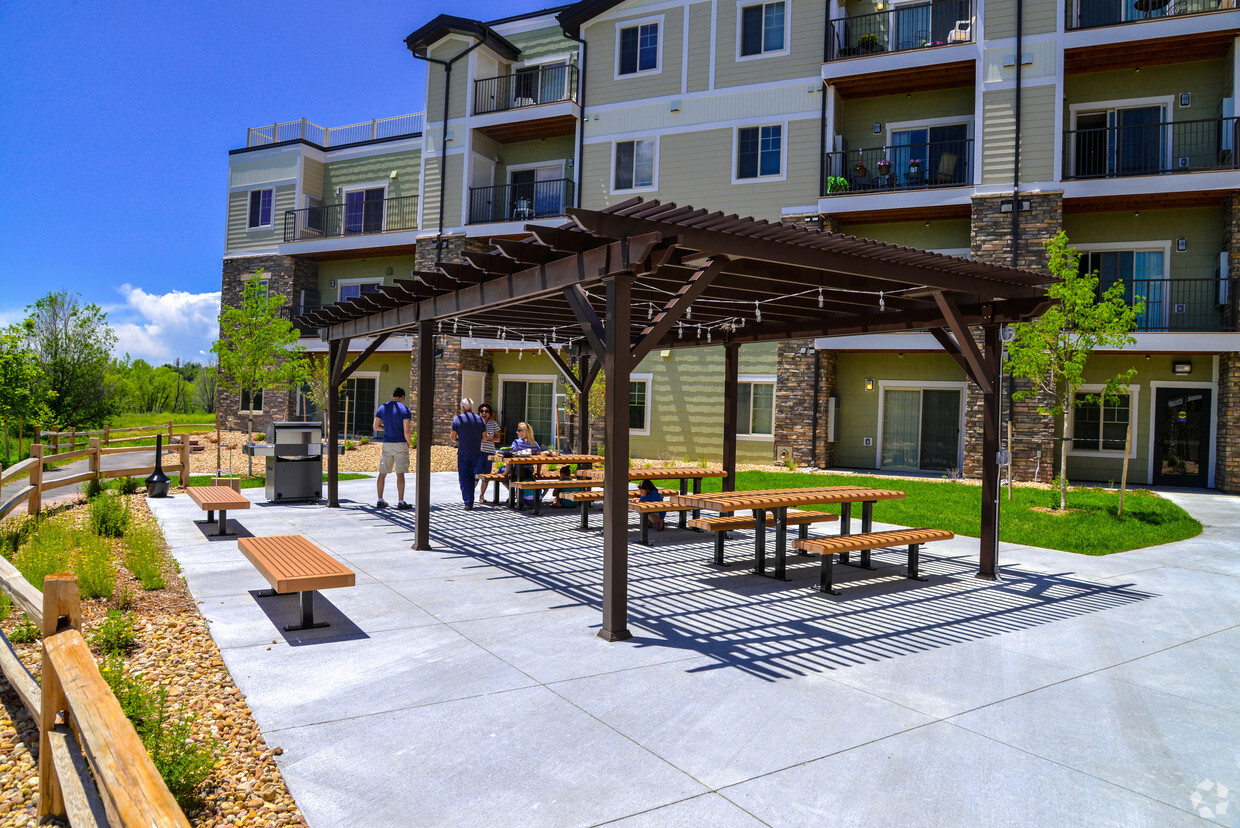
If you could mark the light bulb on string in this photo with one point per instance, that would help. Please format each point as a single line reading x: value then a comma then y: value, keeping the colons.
x: 439, y: 327
x: 757, y: 312
x: 820, y: 297
x: 882, y: 305
x: 708, y: 334
x: 689, y: 312
x: 649, y: 311
x: 680, y: 330
x: 454, y: 321
x: 699, y: 334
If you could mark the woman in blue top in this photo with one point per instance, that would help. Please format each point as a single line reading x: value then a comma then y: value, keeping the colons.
x: 525, y: 439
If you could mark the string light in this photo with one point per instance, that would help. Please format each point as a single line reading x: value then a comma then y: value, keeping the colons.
x: 689, y: 312
x: 699, y: 336
x: 757, y: 311
x: 882, y: 306
x: 820, y: 297
x: 680, y: 330
x: 650, y: 311
x: 439, y: 328
x: 454, y: 321
x: 708, y: 334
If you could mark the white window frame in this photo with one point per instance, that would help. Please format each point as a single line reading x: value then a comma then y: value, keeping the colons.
x: 378, y: 400
x: 1163, y: 245
x: 658, y: 61
x: 743, y: 4
x: 758, y: 379
x: 1133, y: 416
x: 654, y: 178
x: 249, y: 199
x: 783, y: 153
x: 241, y: 409
x: 648, y: 381
x: 367, y: 280
x: 919, y: 385
x: 1167, y: 102
x: 500, y: 379
x: 361, y: 188
x: 925, y: 123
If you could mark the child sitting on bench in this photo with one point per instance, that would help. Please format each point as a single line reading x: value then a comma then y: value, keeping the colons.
x: 559, y: 502
x: 650, y: 494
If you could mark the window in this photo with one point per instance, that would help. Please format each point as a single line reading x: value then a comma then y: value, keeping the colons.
x: 257, y: 408
x: 639, y: 403
x: 1101, y: 425
x: 755, y: 408
x: 363, y: 210
x: 1143, y: 276
x: 531, y: 401
x: 634, y: 164
x: 353, y: 288
x: 260, y: 208
x: 921, y: 428
x: 1121, y: 141
x: 759, y: 151
x: 639, y: 49
x: 762, y: 29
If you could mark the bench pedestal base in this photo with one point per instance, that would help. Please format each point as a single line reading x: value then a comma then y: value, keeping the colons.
x: 221, y: 525
x: 307, y: 610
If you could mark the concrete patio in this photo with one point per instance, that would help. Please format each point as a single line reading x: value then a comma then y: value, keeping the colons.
x: 466, y: 685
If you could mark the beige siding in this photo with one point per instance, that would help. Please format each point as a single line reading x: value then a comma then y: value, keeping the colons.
x: 1037, y: 157
x: 430, y: 194
x: 1040, y: 17
x: 239, y: 237
x: 249, y: 171
x: 603, y: 87
x: 446, y: 50
x: 373, y: 169
x: 806, y: 19
x: 1205, y: 80
x: 699, y: 47
x: 312, y: 178
x: 950, y: 234
x: 696, y: 168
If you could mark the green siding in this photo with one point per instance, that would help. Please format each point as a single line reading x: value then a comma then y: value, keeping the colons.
x: 542, y: 43
x: 1204, y: 79
x: 368, y: 268
x: 1037, y: 150
x: 434, y: 81
x: 699, y: 47
x: 1202, y: 227
x: 806, y: 19
x: 373, y: 169
x: 1038, y: 17
x: 603, y: 87
x: 239, y: 237
x: 952, y: 234
x: 430, y: 193
x: 859, y: 116
x: 524, y: 153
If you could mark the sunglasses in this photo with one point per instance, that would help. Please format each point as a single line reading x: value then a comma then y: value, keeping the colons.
x: 484, y: 411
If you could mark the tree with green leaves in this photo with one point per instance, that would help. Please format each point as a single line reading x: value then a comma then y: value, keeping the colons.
x: 73, y: 345
x: 20, y: 381
x: 257, y: 348
x: 1052, y: 350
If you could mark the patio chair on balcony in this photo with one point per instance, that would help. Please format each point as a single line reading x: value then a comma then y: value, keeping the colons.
x: 915, y: 40
x: 963, y: 32
x: 947, y: 168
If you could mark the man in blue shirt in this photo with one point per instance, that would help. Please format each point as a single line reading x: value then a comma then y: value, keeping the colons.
x: 467, y: 431
x: 394, y: 419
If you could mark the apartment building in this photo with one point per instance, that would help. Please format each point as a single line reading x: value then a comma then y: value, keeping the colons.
x: 907, y: 122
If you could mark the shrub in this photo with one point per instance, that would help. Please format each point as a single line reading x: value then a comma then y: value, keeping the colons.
x: 109, y: 516
x: 144, y: 556
x: 93, y: 488
x: 127, y: 485
x: 25, y: 632
x: 12, y: 539
x: 46, y: 552
x: 6, y: 605
x: 124, y: 598
x: 93, y: 566
x: 115, y: 634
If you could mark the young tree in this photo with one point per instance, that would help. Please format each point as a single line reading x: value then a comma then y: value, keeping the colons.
x: 319, y: 380
x: 20, y: 379
x: 205, y: 387
x: 257, y: 348
x: 1052, y: 350
x: 73, y: 344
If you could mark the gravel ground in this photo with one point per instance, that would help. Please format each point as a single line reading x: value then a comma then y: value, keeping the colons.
x: 174, y: 651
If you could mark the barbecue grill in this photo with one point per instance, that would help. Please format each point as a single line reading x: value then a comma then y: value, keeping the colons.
x: 294, y: 453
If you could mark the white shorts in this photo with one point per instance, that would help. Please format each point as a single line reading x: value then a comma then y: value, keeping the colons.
x: 395, y: 458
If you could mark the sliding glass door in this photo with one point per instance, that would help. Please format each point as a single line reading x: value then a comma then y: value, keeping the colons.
x: 921, y: 428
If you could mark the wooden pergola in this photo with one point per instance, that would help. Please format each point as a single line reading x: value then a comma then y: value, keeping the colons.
x: 613, y: 285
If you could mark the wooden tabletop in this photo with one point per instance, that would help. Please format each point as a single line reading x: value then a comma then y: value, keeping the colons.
x: 559, y: 459
x: 675, y: 473
x: 218, y: 497
x: 774, y: 498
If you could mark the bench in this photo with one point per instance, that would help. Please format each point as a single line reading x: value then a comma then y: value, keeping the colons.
x: 644, y: 508
x: 290, y: 563
x: 496, y: 478
x: 586, y: 498
x: 540, y: 485
x: 217, y: 498
x: 843, y: 544
x: 723, y: 524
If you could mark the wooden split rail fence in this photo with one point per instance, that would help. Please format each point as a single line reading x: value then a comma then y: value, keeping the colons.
x: 58, y: 443
x: 93, y: 768
x: 174, y: 462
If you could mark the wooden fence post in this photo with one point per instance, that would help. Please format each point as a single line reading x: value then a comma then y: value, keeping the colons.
x: 36, y: 480
x: 55, y: 442
x: 60, y: 600
x: 170, y: 430
x: 107, y: 437
x: 73, y: 438
x: 96, y: 456
x: 184, y: 462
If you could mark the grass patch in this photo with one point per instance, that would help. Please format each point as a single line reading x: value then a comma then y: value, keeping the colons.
x: 108, y: 516
x: 116, y: 633
x: 1094, y: 529
x: 47, y: 551
x: 144, y: 557
x: 259, y: 482
x: 96, y: 574
x: 132, y: 420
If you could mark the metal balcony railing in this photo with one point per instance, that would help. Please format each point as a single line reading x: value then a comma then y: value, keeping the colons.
x: 1088, y: 14
x: 291, y: 312
x: 526, y: 87
x: 520, y: 202
x: 352, y: 218
x: 901, y: 28
x: 327, y: 137
x: 909, y: 167
x: 1152, y: 148
x: 1182, y: 305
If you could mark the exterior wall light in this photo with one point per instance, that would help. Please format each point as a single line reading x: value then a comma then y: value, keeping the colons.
x: 1181, y: 367
x: 869, y: 385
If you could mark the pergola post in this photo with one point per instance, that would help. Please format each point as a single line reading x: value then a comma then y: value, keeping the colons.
x: 989, y: 553
x: 583, y: 402
x: 425, y: 423
x: 335, y: 365
x: 617, y: 365
x: 731, y: 371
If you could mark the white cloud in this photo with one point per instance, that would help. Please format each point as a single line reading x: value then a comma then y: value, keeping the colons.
x: 161, y: 327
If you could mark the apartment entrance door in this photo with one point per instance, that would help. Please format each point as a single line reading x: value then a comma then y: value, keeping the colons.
x: 1181, y: 437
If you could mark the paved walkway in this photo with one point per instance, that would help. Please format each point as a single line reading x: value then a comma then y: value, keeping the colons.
x: 466, y: 686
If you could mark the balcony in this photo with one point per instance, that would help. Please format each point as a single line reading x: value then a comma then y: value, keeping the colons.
x: 525, y: 201
x: 327, y: 137
x: 526, y: 87
x: 1153, y: 148
x: 355, y: 217
x: 1090, y: 14
x: 892, y: 169
x: 901, y: 28
x: 292, y: 311
x: 1183, y: 305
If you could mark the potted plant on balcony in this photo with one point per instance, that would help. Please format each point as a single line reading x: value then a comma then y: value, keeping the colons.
x: 884, y: 166
x: 859, y: 168
x: 868, y: 43
x: 914, y: 166
x: 837, y: 184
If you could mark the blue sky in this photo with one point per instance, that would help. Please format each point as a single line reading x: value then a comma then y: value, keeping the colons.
x: 118, y: 121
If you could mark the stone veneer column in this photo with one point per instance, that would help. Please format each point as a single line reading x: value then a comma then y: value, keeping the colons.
x: 288, y: 277
x: 990, y: 239
x: 1227, y: 449
x: 794, y: 402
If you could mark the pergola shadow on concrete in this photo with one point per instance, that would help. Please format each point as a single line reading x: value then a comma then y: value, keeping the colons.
x: 613, y: 285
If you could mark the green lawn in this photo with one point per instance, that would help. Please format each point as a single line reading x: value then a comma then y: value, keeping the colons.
x: 1148, y: 520
x: 258, y: 482
x: 136, y: 420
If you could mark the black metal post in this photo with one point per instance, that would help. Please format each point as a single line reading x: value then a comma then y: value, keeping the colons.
x: 617, y: 365
x: 425, y: 414
x: 731, y: 369
x: 989, y: 554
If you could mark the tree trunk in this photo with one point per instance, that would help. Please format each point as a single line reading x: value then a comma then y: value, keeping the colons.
x: 249, y: 435
x: 1063, y: 463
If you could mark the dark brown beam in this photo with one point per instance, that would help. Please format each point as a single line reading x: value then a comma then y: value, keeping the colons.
x: 425, y: 422
x: 369, y: 349
x: 676, y: 306
x: 953, y: 350
x: 569, y: 377
x: 336, y: 359
x: 978, y: 369
x: 586, y: 318
x: 336, y: 352
x: 731, y: 399
x: 564, y: 240
x: 988, y: 558
x: 528, y: 253
x: 617, y: 364
x: 494, y: 264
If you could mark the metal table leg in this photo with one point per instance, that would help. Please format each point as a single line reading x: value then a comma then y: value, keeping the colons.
x: 684, y: 516
x: 759, y: 542
x: 222, y: 527
x: 845, y: 526
x: 585, y: 515
x: 697, y: 490
x: 781, y: 543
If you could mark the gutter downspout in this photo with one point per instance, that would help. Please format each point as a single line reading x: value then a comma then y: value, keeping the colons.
x: 581, y: 103
x: 443, y: 142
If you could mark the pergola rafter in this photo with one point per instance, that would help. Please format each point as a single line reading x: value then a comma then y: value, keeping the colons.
x: 698, y: 276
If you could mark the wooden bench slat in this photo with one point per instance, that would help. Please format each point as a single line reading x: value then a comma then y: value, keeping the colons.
x: 642, y: 506
x: 290, y: 563
x: 794, y: 518
x: 871, y: 540
x: 212, y: 498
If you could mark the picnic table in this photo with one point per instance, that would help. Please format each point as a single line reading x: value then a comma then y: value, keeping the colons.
x: 541, y: 459
x: 778, y: 501
x: 682, y: 473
